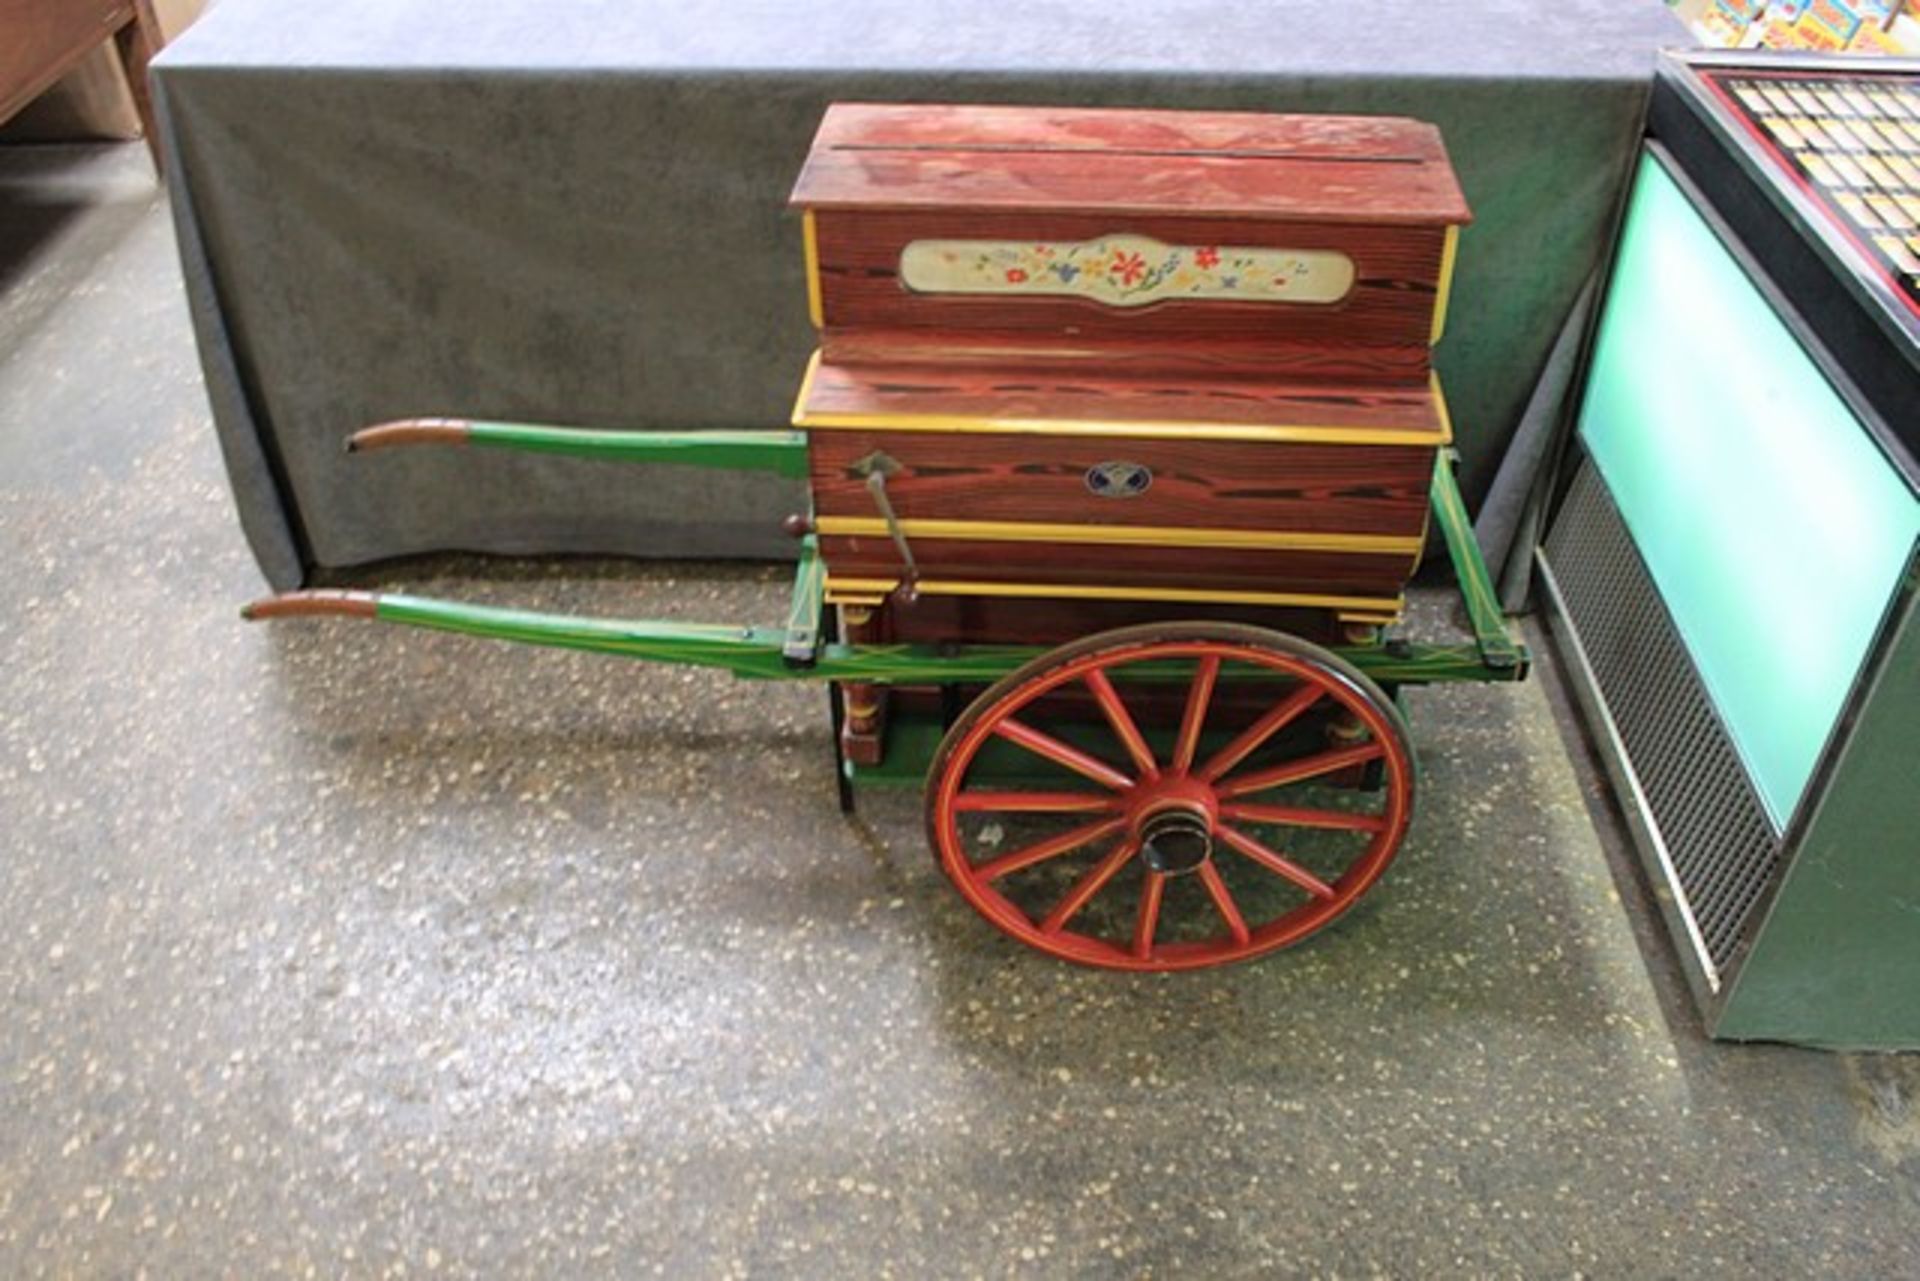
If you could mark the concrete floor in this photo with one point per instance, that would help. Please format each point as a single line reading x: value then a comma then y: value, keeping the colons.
x: 329, y: 950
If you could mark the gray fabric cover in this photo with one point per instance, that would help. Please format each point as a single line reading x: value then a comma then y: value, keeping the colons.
x: 574, y: 211
x: 1508, y: 523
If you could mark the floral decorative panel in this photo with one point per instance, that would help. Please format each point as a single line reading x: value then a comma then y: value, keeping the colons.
x: 1126, y: 271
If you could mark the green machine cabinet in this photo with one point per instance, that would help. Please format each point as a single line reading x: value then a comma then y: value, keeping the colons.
x: 1733, y: 558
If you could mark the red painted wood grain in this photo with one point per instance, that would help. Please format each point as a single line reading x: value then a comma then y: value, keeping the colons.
x: 890, y: 391
x: 1195, y: 483
x: 1378, y: 170
x: 1196, y: 358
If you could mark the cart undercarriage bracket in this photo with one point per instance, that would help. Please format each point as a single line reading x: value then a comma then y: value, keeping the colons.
x: 1496, y: 645
x: 801, y: 649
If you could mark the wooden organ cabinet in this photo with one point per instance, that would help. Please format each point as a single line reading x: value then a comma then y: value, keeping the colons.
x: 1085, y: 368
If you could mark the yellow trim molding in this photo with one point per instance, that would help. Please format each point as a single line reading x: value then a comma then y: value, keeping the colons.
x: 874, y: 587
x: 1384, y: 608
x: 1444, y: 294
x: 806, y: 387
x: 992, y: 531
x: 1440, y: 405
x: 816, y: 307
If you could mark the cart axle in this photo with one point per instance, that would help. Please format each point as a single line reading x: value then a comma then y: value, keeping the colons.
x: 1176, y: 841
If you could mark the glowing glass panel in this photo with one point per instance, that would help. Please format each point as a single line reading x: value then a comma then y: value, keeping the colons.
x: 1774, y: 528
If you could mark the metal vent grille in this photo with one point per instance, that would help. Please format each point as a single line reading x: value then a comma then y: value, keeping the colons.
x: 1721, y: 847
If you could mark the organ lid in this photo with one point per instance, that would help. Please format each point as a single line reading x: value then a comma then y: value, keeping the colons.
x: 1384, y: 170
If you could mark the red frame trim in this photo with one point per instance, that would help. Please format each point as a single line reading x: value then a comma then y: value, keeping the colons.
x: 1873, y: 259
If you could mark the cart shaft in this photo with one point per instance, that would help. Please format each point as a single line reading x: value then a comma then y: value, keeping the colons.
x: 759, y: 653
x: 782, y: 452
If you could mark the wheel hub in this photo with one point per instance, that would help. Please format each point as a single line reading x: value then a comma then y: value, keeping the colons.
x: 1173, y: 818
x: 1176, y: 840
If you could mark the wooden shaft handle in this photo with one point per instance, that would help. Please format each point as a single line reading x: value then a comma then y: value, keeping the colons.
x: 313, y: 604
x: 411, y: 431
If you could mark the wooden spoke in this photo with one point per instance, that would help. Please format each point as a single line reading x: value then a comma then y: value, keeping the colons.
x: 1062, y: 754
x: 1035, y: 803
x: 1195, y: 717
x: 1147, y: 922
x: 1300, y: 816
x: 1052, y: 847
x: 1278, y: 864
x: 1304, y: 768
x: 1275, y: 720
x: 1089, y: 885
x: 1229, y: 910
x: 1122, y: 721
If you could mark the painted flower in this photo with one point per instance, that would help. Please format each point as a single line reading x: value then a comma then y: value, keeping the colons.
x: 1206, y: 256
x: 1066, y: 271
x: 1015, y: 276
x: 1129, y: 267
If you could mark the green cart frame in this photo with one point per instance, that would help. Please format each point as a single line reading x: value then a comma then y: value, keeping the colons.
x: 1163, y: 807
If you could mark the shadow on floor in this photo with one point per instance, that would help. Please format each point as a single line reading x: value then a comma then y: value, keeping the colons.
x: 49, y: 190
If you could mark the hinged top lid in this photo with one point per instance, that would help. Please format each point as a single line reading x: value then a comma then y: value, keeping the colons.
x: 1364, y: 169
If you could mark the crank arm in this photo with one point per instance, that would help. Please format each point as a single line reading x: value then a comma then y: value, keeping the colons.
x: 876, y: 467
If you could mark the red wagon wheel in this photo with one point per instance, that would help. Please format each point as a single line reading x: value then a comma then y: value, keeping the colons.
x: 1164, y: 856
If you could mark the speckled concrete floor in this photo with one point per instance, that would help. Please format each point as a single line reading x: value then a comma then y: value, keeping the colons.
x: 327, y: 950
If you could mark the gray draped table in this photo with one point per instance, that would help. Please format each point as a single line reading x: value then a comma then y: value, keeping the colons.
x: 574, y: 211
